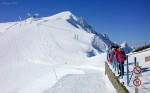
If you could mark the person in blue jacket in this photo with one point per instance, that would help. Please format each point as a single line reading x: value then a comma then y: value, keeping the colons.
x: 109, y: 50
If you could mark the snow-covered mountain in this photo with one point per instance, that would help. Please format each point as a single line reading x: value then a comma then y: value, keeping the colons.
x: 34, y: 50
x: 100, y: 42
x: 127, y: 49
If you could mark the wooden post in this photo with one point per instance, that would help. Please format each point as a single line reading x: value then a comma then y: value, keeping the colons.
x: 136, y: 88
x: 137, y: 63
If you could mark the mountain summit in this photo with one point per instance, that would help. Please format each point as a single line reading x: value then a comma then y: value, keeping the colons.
x: 64, y: 15
x: 75, y: 21
x: 100, y: 42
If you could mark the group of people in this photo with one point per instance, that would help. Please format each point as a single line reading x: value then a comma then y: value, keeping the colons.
x: 120, y: 56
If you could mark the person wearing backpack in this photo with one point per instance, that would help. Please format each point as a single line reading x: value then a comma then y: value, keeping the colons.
x: 114, y: 50
x: 120, y: 54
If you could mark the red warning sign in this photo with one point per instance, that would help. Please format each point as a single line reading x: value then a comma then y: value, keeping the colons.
x: 137, y: 70
x: 137, y: 82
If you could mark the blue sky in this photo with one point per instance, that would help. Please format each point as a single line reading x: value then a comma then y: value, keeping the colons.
x: 122, y: 20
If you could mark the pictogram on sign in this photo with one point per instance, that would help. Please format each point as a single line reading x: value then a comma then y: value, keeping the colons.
x: 137, y: 70
x: 137, y: 82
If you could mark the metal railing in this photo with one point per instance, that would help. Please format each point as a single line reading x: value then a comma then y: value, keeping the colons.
x: 119, y: 67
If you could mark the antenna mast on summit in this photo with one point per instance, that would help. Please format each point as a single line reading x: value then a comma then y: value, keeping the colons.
x: 36, y: 15
x: 29, y: 14
x: 20, y: 20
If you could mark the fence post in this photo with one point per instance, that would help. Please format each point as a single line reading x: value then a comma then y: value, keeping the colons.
x: 115, y: 62
x: 121, y: 69
x: 127, y: 71
x: 134, y: 61
x: 107, y: 56
x: 133, y: 71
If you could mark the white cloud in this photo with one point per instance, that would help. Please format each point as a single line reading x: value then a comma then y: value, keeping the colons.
x: 9, y: 3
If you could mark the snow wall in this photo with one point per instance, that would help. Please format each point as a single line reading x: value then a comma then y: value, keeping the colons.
x: 114, y: 80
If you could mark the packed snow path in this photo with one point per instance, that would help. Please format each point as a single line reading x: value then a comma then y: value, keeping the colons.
x: 93, y: 81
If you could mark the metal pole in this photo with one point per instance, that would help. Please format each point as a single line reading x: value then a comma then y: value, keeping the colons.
x: 20, y: 20
x: 145, y: 45
x: 133, y: 71
x: 136, y: 88
x: 117, y: 64
x: 107, y: 56
x: 114, y: 62
x: 127, y: 71
x: 131, y: 77
x: 121, y: 67
x: 134, y: 61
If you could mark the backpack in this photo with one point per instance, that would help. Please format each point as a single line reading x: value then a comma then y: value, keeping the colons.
x: 125, y: 55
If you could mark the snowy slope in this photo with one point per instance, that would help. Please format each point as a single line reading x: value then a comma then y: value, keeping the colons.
x: 5, y: 26
x: 100, y: 42
x: 39, y: 53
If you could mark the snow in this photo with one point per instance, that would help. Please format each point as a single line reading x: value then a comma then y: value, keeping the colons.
x: 90, y: 82
x: 5, y: 26
x: 46, y: 55
x: 64, y: 15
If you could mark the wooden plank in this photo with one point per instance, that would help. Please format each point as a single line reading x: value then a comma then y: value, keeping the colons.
x: 147, y: 58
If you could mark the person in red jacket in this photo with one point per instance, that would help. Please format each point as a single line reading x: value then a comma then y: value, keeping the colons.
x: 114, y: 50
x: 121, y: 59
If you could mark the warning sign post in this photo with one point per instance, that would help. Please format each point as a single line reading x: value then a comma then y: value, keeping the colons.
x: 137, y: 82
x: 137, y: 70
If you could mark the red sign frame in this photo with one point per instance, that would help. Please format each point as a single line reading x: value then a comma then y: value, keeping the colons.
x: 135, y: 82
x: 135, y: 69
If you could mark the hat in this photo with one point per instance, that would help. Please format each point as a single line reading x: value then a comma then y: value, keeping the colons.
x: 117, y: 47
